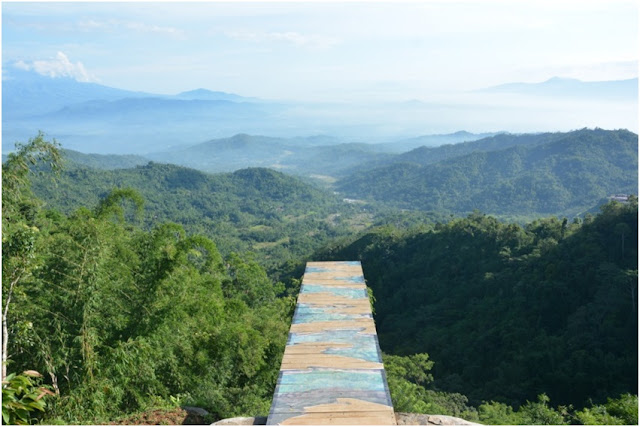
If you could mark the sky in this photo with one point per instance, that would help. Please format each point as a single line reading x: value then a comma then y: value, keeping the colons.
x: 323, y: 50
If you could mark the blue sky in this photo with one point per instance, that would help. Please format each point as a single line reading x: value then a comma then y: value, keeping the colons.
x: 340, y: 51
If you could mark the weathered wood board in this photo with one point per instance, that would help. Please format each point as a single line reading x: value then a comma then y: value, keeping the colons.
x: 332, y: 370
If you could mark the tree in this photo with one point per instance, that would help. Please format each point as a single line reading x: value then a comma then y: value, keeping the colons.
x: 539, y: 413
x: 20, y: 234
x: 111, y: 205
x: 248, y: 281
x: 497, y: 413
x: 622, y: 229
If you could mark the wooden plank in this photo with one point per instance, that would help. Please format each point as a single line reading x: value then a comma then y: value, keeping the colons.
x: 343, y: 411
x: 335, y: 419
x: 332, y: 370
x: 385, y: 419
x: 363, y: 325
x: 356, y: 291
x: 312, y: 347
x: 361, y: 350
x: 342, y: 380
x: 348, y: 405
x: 330, y: 282
x: 305, y: 361
x: 325, y: 298
x: 324, y: 266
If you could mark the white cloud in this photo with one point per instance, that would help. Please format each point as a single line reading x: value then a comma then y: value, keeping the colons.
x: 113, y: 25
x: 292, y: 37
x: 145, y: 28
x: 91, y: 24
x: 22, y: 65
x: 60, y: 66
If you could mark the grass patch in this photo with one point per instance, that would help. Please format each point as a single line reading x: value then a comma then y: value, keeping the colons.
x: 263, y: 245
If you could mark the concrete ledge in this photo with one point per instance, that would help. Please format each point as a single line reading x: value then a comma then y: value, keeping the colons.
x: 242, y: 421
x: 402, y: 418
x: 407, y: 419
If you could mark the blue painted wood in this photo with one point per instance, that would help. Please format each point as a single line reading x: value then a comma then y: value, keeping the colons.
x: 363, y: 347
x: 307, y: 314
x: 333, y: 340
x: 355, y: 293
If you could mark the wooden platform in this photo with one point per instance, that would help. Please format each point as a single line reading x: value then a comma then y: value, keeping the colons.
x: 332, y: 369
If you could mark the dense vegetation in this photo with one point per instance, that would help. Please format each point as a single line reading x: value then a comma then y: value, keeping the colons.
x: 104, y: 161
x: 410, y: 383
x: 300, y: 156
x: 510, y: 312
x: 537, y: 175
x: 274, y: 215
x: 426, y: 155
x: 118, y: 319
x: 122, y: 310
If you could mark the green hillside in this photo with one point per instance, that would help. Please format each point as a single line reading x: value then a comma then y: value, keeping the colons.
x: 298, y: 156
x: 275, y: 215
x: 409, y: 144
x: 426, y: 153
x: 547, y: 174
x: 105, y: 161
x: 429, y: 155
x: 509, y: 312
x: 120, y: 320
x: 124, y: 311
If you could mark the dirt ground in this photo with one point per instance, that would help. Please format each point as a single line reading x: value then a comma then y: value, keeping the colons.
x: 175, y: 416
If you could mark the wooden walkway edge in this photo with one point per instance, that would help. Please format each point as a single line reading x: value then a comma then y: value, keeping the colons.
x: 332, y: 370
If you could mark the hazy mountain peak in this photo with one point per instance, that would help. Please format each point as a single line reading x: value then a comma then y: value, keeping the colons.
x: 572, y: 88
x: 199, y: 91
x: 462, y: 133
x: 557, y: 79
x: 210, y: 95
x: 242, y: 137
x: 26, y: 92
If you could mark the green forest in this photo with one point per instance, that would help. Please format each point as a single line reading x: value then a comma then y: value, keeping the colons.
x: 559, y: 174
x: 274, y: 215
x: 509, y: 311
x: 160, y: 286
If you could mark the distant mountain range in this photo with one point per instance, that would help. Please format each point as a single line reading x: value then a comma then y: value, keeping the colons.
x: 90, y: 117
x: 514, y: 175
x: 573, y: 88
x: 94, y: 118
x: 209, y: 95
x: 28, y: 94
x: 543, y: 174
x: 511, y: 175
x: 319, y: 156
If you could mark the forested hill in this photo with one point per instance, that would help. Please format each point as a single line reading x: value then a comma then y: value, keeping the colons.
x: 275, y: 215
x: 507, y: 312
x: 426, y: 155
x: 546, y: 174
x: 118, y: 319
x: 125, y: 312
x: 104, y: 161
x: 429, y: 155
x: 299, y: 156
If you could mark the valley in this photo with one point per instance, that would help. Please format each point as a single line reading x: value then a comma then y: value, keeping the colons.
x: 519, y: 299
x: 510, y: 176
x: 460, y: 177
x: 503, y: 275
